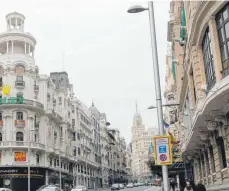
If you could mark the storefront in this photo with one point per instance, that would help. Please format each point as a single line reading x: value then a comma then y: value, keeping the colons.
x: 16, y: 178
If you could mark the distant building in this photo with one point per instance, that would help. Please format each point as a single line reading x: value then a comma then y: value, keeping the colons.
x: 141, y: 140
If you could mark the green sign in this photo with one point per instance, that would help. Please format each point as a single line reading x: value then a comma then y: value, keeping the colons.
x: 12, y: 100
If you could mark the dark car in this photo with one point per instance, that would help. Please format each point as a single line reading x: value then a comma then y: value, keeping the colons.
x: 115, y: 187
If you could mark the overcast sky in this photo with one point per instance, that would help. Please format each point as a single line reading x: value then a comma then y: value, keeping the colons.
x: 107, y: 51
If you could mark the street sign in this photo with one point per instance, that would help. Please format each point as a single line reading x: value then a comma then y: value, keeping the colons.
x: 162, y: 150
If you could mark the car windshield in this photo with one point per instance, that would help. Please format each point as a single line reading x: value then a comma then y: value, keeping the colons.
x: 49, y: 189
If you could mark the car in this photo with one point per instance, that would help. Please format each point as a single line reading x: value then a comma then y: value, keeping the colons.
x: 115, y: 187
x: 5, y: 189
x: 121, y: 186
x: 79, y: 188
x: 50, y: 188
x: 130, y: 185
x: 135, y: 184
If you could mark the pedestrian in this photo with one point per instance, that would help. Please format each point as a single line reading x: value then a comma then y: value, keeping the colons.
x: 188, y: 187
x: 200, y: 186
x: 172, y: 185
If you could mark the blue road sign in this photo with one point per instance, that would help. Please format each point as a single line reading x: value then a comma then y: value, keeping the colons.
x: 162, y: 149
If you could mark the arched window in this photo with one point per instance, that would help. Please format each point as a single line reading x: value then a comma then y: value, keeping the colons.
x: 0, y: 136
x: 19, y: 116
x: 19, y: 70
x: 19, y: 136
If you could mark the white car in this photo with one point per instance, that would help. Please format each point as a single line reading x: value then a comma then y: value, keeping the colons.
x: 130, y: 185
x: 121, y: 186
x: 5, y: 189
x: 79, y: 188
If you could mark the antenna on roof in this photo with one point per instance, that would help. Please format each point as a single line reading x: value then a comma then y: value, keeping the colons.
x: 136, y: 104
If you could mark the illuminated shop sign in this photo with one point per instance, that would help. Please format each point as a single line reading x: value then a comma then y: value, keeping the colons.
x: 20, y: 156
x: 10, y: 100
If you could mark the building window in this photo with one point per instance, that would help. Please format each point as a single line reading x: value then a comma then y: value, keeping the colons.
x: 0, y: 116
x: 78, y: 136
x: 79, y: 151
x: 48, y: 96
x: 220, y: 144
x: 19, y: 136
x: 60, y: 101
x: 37, y: 158
x: 222, y: 23
x: 50, y: 161
x: 19, y: 70
x: 0, y: 136
x: 74, y: 151
x: 19, y: 116
x: 73, y: 122
x: 19, y: 78
x: 208, y: 60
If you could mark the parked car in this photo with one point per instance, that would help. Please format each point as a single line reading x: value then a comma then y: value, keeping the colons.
x: 121, y: 186
x: 130, y: 185
x: 5, y: 189
x: 136, y: 185
x: 115, y: 187
x: 79, y: 188
x: 50, y: 188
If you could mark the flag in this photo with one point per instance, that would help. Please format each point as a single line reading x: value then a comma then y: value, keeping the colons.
x: 173, y: 68
x: 183, y: 25
x: 166, y: 125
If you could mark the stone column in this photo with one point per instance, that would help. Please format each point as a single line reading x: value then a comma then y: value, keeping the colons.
x: 12, y: 50
x: 211, y: 165
x: 25, y: 48
x: 215, y: 48
x: 46, y: 177
x: 77, y: 168
x: 196, y: 173
x: 7, y: 47
x: 205, y: 166
x: 29, y: 49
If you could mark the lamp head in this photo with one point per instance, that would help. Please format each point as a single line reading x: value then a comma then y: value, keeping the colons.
x: 136, y: 9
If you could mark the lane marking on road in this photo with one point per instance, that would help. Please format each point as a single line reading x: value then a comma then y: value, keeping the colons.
x: 148, y: 189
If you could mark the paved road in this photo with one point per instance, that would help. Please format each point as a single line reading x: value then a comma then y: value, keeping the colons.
x: 143, y: 188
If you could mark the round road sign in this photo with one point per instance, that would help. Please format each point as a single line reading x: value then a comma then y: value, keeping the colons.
x: 163, y: 157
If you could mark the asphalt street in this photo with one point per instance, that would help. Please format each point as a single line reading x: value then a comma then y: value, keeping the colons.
x: 143, y: 188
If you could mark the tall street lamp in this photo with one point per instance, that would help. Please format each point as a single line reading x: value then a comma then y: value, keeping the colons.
x: 137, y: 9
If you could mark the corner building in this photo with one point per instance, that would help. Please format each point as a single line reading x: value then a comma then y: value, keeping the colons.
x: 41, y: 121
x: 202, y: 87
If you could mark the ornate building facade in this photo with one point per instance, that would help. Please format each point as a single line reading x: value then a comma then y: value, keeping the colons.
x: 42, y: 123
x: 198, y: 33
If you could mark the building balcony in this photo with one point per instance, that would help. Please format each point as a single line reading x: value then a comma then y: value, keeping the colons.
x: 19, y: 123
x: 36, y: 88
x: 55, y: 116
x: 16, y: 144
x: 20, y: 84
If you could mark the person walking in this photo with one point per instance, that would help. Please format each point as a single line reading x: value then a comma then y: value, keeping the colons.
x: 188, y: 187
x: 200, y: 187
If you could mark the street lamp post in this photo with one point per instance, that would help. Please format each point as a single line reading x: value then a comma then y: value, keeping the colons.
x: 137, y: 9
x: 28, y: 160
x: 29, y: 131
x: 60, y: 168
